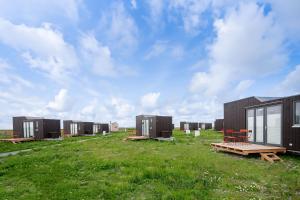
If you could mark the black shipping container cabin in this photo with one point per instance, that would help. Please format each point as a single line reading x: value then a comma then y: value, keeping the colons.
x: 100, y: 127
x: 205, y: 126
x: 189, y: 126
x: 35, y: 127
x: 273, y: 121
x: 154, y: 126
x: 73, y: 128
x: 219, y: 124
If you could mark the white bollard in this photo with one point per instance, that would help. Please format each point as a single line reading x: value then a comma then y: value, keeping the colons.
x: 197, y: 133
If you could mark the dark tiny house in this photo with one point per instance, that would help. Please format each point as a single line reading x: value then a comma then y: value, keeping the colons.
x: 194, y: 126
x: 205, y: 126
x: 154, y: 126
x: 35, y: 127
x: 72, y: 127
x: 189, y: 126
x: 273, y: 121
x: 100, y: 128
x: 219, y: 124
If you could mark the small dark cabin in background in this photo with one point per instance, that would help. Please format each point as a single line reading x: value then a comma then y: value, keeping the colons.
x: 35, y: 127
x: 100, y: 127
x: 219, y: 124
x: 273, y: 121
x: 194, y: 126
x: 154, y: 126
x: 205, y: 126
x: 189, y: 126
x: 72, y: 127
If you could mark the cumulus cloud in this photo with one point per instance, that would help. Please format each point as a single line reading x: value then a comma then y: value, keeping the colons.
x: 119, y: 28
x: 11, y: 77
x: 162, y: 47
x: 150, y: 100
x: 121, y: 107
x: 97, y: 56
x: 156, y: 8
x: 37, y: 11
x: 291, y: 83
x: 133, y: 4
x: 61, y: 101
x: 247, y: 42
x: 287, y: 15
x: 191, y: 13
x: 42, y: 48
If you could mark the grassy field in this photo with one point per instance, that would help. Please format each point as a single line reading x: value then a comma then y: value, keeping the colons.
x: 109, y: 168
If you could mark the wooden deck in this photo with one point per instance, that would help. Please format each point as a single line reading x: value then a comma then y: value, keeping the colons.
x: 246, y: 148
x: 137, y: 138
x: 17, y: 140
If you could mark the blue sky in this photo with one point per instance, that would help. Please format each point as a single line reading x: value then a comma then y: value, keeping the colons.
x: 112, y: 60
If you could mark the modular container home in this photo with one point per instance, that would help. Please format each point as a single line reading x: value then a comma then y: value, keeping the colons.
x: 100, y: 128
x: 189, y: 126
x: 205, y: 126
x: 219, y: 124
x: 154, y: 126
x: 35, y: 127
x: 273, y: 121
x: 194, y: 126
x: 73, y: 128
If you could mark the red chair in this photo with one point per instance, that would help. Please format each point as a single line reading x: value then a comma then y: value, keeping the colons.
x: 228, y: 135
x: 247, y: 134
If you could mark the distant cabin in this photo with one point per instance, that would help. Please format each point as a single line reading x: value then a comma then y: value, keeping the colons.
x: 153, y: 126
x: 100, y: 128
x: 194, y: 126
x: 73, y: 128
x: 35, y: 127
x: 219, y: 124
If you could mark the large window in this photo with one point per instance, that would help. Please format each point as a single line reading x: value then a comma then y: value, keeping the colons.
x: 297, y: 113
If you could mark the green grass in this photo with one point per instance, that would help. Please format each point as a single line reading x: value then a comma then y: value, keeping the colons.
x: 110, y: 168
x: 8, y: 146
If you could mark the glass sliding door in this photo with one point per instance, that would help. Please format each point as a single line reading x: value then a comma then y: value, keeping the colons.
x: 274, y: 125
x: 259, y: 130
x: 145, y: 127
x: 28, y: 129
x: 250, y: 124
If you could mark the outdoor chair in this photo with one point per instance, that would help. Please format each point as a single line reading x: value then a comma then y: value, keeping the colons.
x: 247, y: 134
x: 229, y: 137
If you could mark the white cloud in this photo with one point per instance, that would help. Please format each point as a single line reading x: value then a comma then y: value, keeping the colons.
x: 150, y: 100
x: 287, y: 15
x: 121, y: 107
x: 157, y: 48
x: 133, y: 4
x: 291, y: 83
x: 156, y: 8
x: 119, y: 28
x: 10, y: 76
x: 38, y: 11
x: 248, y: 45
x: 191, y: 13
x: 42, y: 48
x: 243, y: 86
x: 61, y: 101
x: 97, y: 56
x: 162, y: 47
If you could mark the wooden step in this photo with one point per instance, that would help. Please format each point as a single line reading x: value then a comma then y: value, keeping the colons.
x: 271, y: 157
